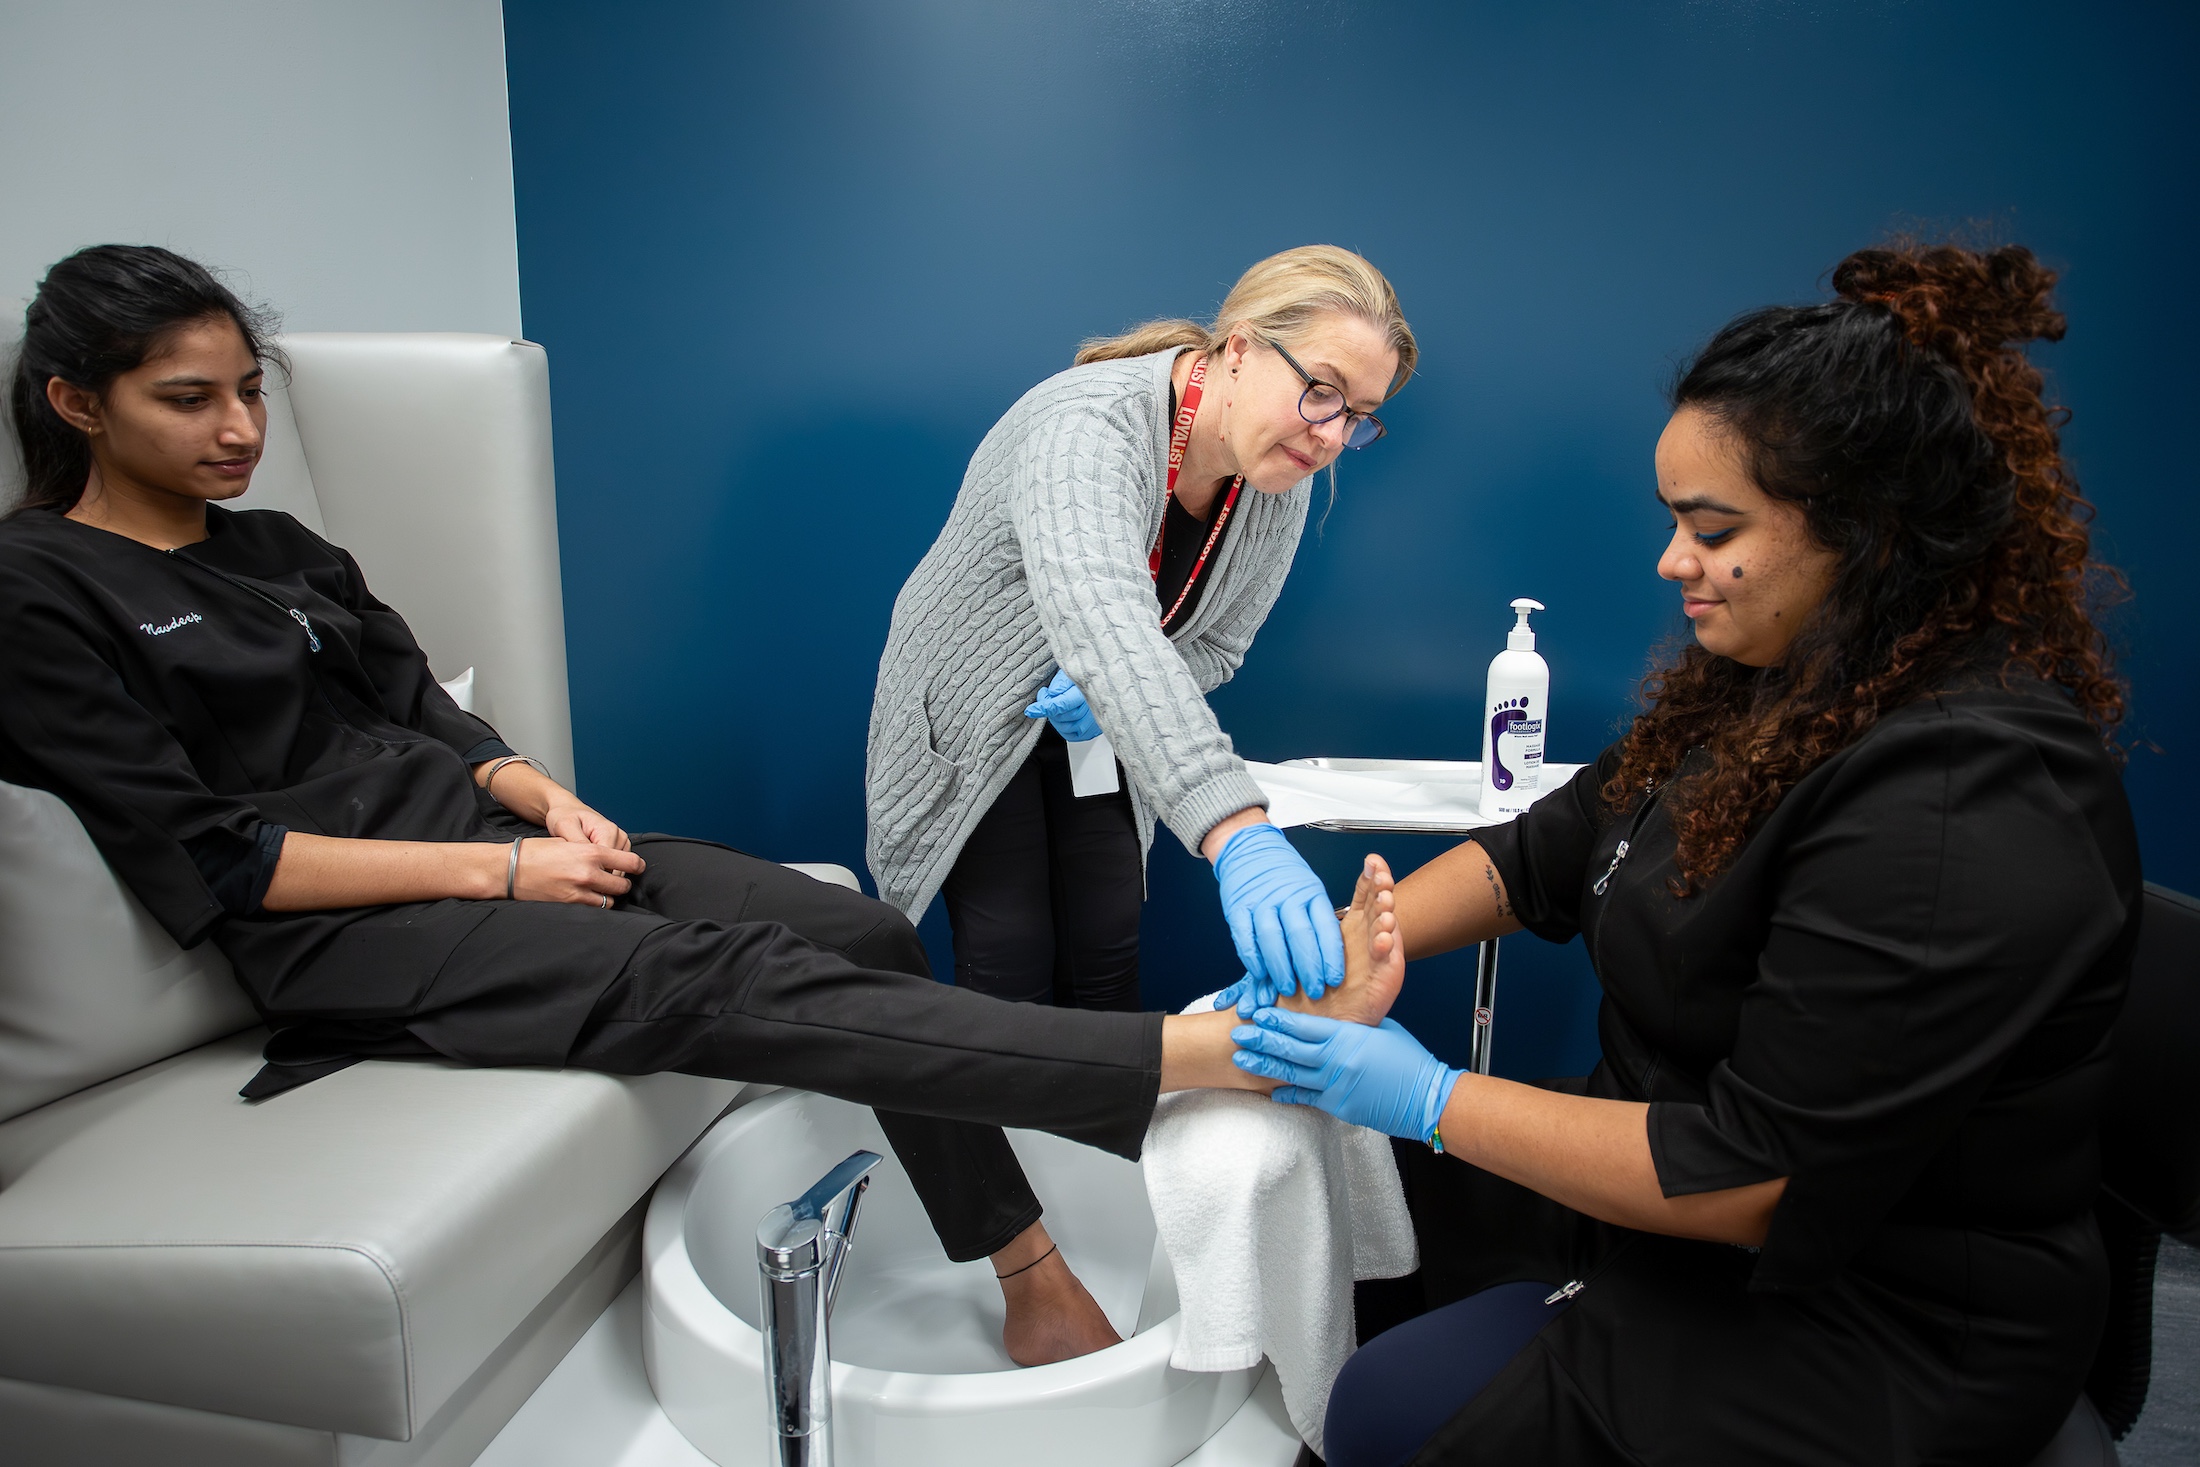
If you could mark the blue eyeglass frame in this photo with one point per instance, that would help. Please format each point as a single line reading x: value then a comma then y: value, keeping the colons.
x: 1358, y: 421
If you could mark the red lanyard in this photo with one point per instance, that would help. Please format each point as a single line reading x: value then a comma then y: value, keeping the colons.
x: 1180, y: 438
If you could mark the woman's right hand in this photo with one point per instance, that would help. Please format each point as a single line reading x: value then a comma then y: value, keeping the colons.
x: 554, y: 870
x: 1376, y: 1076
x: 1062, y: 703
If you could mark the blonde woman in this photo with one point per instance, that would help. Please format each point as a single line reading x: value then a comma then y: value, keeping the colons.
x: 1120, y: 536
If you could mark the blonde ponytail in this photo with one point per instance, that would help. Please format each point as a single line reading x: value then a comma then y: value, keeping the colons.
x: 1280, y: 298
x: 1142, y: 341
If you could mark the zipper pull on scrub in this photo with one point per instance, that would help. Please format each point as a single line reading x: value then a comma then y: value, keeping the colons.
x: 1566, y: 1291
x: 1602, y: 881
x: 313, y: 638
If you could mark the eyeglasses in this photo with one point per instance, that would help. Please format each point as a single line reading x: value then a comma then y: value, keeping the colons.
x: 1323, y: 402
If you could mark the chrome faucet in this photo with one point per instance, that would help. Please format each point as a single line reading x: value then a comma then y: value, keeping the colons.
x: 800, y: 1247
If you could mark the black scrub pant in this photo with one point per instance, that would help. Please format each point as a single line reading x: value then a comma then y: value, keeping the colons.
x: 754, y: 972
x: 1044, y: 897
x: 1665, y: 1357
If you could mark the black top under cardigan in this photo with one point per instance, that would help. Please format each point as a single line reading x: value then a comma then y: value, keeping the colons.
x: 1183, y: 537
x: 1899, y: 997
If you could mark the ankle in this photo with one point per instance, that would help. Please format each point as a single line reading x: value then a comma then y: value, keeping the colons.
x: 1053, y: 1251
x: 1022, y: 1251
x: 1195, y: 1054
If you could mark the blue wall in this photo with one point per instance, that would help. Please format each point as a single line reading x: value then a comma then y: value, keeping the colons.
x: 791, y: 261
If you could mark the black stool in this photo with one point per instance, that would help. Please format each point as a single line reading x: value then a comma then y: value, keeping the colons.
x: 2150, y: 1172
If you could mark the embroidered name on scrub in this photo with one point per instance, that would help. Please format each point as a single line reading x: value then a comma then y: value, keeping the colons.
x: 168, y: 626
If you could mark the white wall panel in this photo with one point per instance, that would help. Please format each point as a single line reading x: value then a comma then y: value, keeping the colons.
x: 348, y: 162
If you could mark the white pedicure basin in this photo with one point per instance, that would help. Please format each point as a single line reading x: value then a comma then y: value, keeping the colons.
x: 919, y: 1375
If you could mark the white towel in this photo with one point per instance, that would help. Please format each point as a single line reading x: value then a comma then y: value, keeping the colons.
x: 1269, y: 1213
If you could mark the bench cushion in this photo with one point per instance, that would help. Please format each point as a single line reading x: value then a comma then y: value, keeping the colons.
x: 340, y: 1257
x: 90, y: 986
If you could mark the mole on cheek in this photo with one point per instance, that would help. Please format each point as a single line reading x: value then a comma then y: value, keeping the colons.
x: 1737, y: 573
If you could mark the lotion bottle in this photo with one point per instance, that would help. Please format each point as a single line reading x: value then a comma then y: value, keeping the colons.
x: 1519, y: 690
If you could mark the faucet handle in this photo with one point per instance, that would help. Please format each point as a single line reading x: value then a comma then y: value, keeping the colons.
x: 802, y: 1236
x: 827, y: 1190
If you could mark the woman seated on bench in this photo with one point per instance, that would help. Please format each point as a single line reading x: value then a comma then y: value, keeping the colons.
x: 257, y: 747
x: 1862, y: 891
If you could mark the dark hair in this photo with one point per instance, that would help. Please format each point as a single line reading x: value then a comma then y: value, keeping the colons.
x: 1906, y: 422
x: 102, y: 312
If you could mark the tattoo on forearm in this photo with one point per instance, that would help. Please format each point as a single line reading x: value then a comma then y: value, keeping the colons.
x: 1497, y: 890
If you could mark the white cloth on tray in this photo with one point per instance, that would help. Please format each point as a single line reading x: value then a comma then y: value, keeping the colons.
x: 1269, y: 1213
x: 1424, y: 791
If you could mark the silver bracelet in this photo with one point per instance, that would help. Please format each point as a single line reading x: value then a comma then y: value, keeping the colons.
x: 511, y: 870
x: 491, y: 777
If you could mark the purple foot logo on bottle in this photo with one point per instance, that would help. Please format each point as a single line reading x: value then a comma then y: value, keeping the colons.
x: 1508, y: 714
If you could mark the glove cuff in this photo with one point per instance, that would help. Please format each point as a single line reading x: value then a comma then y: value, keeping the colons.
x: 1442, y: 1080
x: 1247, y: 839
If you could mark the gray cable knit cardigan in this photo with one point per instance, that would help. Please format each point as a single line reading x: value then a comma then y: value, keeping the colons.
x: 1043, y: 564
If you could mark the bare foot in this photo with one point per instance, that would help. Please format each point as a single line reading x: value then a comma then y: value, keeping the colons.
x: 1374, y: 957
x: 1051, y: 1315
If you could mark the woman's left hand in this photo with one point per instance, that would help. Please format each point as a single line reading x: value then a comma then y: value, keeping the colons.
x: 1378, y: 1077
x: 569, y: 819
x: 1281, y: 920
x: 1374, y: 957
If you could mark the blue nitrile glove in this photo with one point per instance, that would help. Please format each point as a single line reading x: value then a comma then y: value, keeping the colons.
x: 1248, y: 994
x: 1280, y: 917
x: 1062, y: 703
x: 1380, y: 1078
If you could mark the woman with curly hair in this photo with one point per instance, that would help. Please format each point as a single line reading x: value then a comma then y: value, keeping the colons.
x: 1861, y: 888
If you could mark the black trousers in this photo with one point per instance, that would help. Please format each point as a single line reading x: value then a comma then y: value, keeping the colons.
x: 1045, y: 895
x: 753, y: 972
x: 1665, y: 1357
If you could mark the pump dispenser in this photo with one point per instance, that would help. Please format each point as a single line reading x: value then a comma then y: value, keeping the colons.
x: 1513, y: 708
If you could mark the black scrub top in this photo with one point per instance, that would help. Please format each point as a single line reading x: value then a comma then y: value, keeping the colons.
x: 1898, y: 996
x: 191, y: 706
